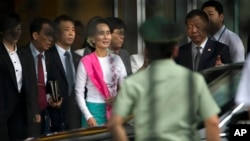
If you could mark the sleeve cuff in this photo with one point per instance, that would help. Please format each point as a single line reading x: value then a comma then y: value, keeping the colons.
x: 47, y: 97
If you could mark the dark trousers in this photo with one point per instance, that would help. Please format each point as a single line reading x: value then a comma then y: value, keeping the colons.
x: 45, y: 122
x: 44, y: 125
x: 57, y: 123
x: 67, y: 117
x: 42, y: 128
x: 14, y: 127
x: 13, y: 130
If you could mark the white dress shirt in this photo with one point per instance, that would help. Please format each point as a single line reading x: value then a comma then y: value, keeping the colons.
x: 237, y: 50
x: 61, y: 52
x: 35, y: 53
x: 137, y: 61
x: 194, y: 50
x: 80, y: 51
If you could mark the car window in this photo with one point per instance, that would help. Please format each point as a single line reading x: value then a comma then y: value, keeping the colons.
x: 223, y: 84
x: 224, y: 90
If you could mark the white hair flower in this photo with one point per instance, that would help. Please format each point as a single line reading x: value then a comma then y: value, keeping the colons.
x: 90, y: 43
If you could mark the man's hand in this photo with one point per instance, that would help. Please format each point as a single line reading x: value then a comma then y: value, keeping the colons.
x: 110, y: 100
x: 37, y: 118
x: 55, y: 104
x: 91, y: 122
x: 218, y: 61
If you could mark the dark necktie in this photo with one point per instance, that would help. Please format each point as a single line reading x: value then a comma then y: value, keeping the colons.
x: 42, y: 101
x: 69, y: 72
x: 197, y: 58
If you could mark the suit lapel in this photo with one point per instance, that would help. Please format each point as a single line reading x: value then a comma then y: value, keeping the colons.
x: 22, y: 60
x: 47, y: 60
x: 188, y: 56
x: 6, y: 58
x: 30, y: 57
x: 58, y: 61
x: 207, y: 52
x: 25, y: 67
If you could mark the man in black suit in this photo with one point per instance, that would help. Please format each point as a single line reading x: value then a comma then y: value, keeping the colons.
x: 63, y: 66
x: 201, y: 53
x: 41, y: 32
x: 18, y: 105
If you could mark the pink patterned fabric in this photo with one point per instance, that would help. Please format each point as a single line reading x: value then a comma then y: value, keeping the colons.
x: 95, y: 74
x: 114, y: 77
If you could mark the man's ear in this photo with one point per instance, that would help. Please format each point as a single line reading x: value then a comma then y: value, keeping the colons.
x: 35, y: 35
x: 175, y: 52
x: 221, y: 17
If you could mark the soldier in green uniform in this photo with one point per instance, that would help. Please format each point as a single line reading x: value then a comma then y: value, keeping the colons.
x: 160, y: 98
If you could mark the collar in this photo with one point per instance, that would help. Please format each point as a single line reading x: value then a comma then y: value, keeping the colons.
x: 34, y: 51
x: 163, y: 62
x: 202, y: 45
x: 61, y: 51
x: 219, y: 33
x: 9, y: 50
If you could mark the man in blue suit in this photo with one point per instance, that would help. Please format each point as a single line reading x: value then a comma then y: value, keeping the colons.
x: 201, y: 53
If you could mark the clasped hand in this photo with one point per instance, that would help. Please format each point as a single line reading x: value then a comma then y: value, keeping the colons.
x: 110, y: 100
x: 55, y: 104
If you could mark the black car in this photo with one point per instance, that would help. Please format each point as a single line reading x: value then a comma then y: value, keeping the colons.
x: 223, y: 83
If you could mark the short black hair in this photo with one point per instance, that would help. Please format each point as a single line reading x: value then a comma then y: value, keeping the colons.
x: 9, y: 21
x: 213, y: 3
x: 115, y: 23
x: 60, y: 19
x: 37, y: 23
x: 160, y: 50
x: 197, y: 12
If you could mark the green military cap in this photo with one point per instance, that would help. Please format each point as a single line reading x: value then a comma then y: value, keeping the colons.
x: 160, y: 30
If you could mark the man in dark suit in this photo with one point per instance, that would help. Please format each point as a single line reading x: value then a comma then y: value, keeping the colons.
x: 201, y: 53
x: 63, y: 66
x: 18, y: 105
x: 41, y: 32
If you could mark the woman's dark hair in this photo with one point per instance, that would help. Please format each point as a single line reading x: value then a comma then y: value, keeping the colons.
x: 91, y: 30
x: 92, y: 24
